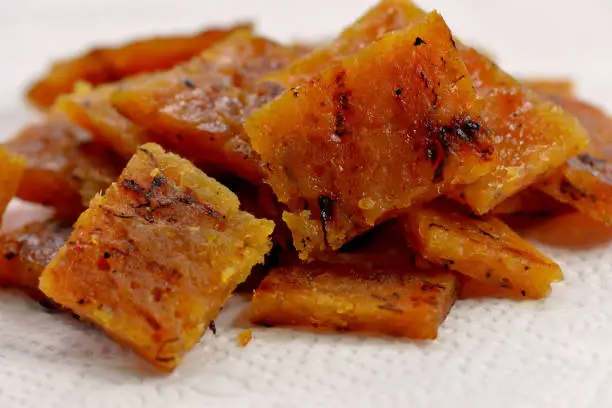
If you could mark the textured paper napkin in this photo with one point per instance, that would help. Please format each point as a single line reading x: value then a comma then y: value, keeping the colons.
x: 491, y: 353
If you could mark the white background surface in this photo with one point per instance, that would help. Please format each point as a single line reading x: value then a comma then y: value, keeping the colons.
x: 489, y: 354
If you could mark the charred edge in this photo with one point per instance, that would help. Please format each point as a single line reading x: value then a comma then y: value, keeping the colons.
x: 295, y: 92
x: 398, y: 91
x: 213, y: 327
x: 591, y: 160
x: 342, y: 105
x: 326, y: 211
x: 429, y: 286
x: 9, y: 255
x: 419, y: 41
x: 189, y: 84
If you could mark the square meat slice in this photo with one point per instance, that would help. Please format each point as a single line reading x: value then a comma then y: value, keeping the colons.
x: 532, y: 134
x: 386, y: 16
x: 26, y: 252
x: 11, y: 171
x: 484, y: 249
x: 197, y: 108
x: 153, y: 260
x: 585, y: 181
x: 64, y: 168
x: 91, y: 109
x: 395, y: 124
x: 110, y: 64
x: 392, y: 301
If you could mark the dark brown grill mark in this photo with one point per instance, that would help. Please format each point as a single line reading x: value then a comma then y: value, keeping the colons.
x: 342, y: 105
x: 326, y: 211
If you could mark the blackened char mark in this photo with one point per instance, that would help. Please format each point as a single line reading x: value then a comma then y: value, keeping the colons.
x: 419, y: 41
x: 466, y: 129
x: 341, y: 104
x: 461, y: 131
x: 173, y: 196
x: 132, y: 185
x: 326, y: 211
x: 428, y: 85
x: 437, y: 150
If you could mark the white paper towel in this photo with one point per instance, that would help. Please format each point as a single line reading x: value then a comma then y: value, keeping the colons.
x: 491, y: 353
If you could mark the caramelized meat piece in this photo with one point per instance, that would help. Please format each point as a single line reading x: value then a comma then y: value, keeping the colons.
x: 25, y: 253
x: 398, y: 301
x: 64, y: 168
x: 197, y: 108
x: 11, y: 171
x: 485, y: 249
x: 585, y: 181
x: 532, y: 135
x: 153, y: 260
x: 102, y: 65
x: 386, y: 16
x: 392, y: 125
x: 92, y: 110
